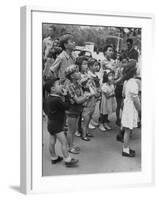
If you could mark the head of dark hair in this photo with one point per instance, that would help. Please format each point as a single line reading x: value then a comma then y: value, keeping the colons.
x: 91, y: 62
x: 64, y: 40
x: 49, y: 84
x: 106, y: 48
x: 79, y: 61
x: 129, y: 73
x: 130, y: 41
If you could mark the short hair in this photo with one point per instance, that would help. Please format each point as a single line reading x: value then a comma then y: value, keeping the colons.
x: 79, y: 61
x: 106, y: 48
x: 129, y: 40
x: 64, y: 39
x: 92, y: 61
x: 49, y: 84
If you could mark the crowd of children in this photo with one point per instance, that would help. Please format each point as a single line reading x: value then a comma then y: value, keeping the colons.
x: 82, y: 93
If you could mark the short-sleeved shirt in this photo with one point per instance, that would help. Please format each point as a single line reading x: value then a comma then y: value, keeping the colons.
x: 132, y: 54
x: 47, y: 45
x: 75, y: 109
x: 108, y: 64
x: 61, y: 63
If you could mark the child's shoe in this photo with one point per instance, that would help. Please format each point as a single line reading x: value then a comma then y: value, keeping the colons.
x: 78, y: 134
x: 72, y: 163
x: 107, y: 127
x: 91, y: 126
x: 101, y: 127
x: 130, y: 154
x: 59, y: 159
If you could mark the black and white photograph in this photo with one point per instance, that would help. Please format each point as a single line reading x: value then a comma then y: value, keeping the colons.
x: 91, y: 108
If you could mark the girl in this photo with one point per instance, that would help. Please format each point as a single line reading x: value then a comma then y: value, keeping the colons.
x: 131, y: 108
x: 108, y: 102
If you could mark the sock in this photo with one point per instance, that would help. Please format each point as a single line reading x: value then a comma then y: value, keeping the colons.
x: 68, y: 159
x: 54, y: 157
x: 126, y: 150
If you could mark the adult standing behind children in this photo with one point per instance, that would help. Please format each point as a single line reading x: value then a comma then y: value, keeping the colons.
x: 66, y: 57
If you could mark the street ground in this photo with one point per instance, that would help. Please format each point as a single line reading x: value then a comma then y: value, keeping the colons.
x: 100, y: 155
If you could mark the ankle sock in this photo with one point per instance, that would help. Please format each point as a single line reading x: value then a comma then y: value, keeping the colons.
x: 68, y: 159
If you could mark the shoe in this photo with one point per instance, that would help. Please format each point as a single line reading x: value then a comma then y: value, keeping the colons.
x: 73, y: 151
x: 130, y: 154
x: 85, y: 139
x: 91, y: 126
x: 101, y: 127
x: 78, y: 134
x: 72, y: 163
x: 89, y: 135
x: 94, y: 123
x: 59, y: 159
x: 107, y: 127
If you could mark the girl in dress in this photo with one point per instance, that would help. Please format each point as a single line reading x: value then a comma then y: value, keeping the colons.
x: 108, y: 102
x: 131, y: 108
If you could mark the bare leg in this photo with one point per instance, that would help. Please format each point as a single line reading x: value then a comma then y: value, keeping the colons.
x: 64, y: 145
x: 72, y: 127
x: 52, y: 143
x: 126, y: 137
x: 86, y: 121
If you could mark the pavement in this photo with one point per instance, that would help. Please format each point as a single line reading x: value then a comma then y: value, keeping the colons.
x: 100, y: 155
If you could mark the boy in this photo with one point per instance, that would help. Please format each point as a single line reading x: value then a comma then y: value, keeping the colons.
x: 77, y: 98
x: 66, y: 58
x: 55, y: 109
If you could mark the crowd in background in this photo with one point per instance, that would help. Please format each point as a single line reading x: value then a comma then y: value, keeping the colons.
x: 81, y: 92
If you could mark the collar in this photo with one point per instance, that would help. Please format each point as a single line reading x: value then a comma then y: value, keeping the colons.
x: 66, y: 55
x: 54, y: 95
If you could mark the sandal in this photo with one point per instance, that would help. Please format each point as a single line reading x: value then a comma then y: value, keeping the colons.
x: 73, y: 151
x: 90, y: 135
x: 107, y: 127
x: 77, y: 148
x: 85, y: 139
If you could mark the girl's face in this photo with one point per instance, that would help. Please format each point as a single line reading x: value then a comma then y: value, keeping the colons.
x: 109, y: 52
x: 110, y: 77
x: 84, y: 66
x: 94, y: 67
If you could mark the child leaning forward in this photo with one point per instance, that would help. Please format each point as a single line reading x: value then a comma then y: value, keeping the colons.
x: 55, y: 109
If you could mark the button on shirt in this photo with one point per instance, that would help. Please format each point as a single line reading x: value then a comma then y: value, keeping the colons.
x: 61, y: 63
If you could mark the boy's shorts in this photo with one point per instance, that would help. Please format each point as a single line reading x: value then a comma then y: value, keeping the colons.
x: 54, y: 128
x: 87, y: 111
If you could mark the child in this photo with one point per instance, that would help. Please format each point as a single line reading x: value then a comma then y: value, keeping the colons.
x: 131, y: 108
x: 66, y: 58
x: 82, y: 63
x: 89, y: 106
x: 77, y: 98
x: 108, y: 62
x: 56, y: 117
x: 108, y: 102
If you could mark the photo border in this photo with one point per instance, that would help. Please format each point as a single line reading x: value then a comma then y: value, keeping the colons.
x: 27, y: 180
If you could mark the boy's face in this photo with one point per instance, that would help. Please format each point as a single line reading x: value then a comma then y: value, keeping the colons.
x: 84, y: 66
x: 57, y: 88
x: 109, y: 52
x: 70, y: 44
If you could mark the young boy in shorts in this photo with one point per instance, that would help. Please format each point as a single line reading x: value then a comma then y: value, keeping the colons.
x: 55, y: 109
x: 77, y: 98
